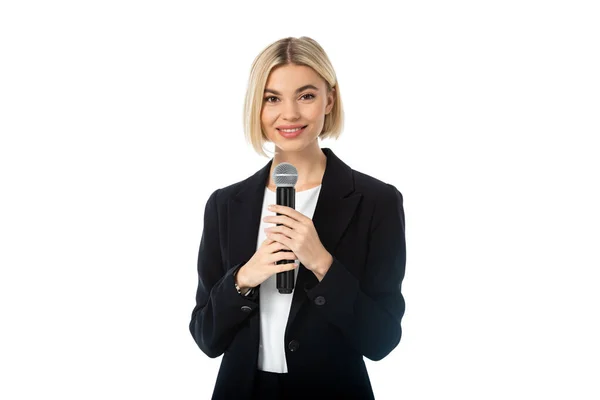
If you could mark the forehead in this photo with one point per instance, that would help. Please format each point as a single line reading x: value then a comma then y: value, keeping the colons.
x: 287, y: 78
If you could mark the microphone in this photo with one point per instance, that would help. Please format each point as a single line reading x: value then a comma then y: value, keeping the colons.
x: 285, y: 176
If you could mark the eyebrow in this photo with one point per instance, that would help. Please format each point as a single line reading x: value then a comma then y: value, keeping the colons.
x: 297, y: 90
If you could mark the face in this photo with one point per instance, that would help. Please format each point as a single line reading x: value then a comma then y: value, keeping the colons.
x: 295, y: 95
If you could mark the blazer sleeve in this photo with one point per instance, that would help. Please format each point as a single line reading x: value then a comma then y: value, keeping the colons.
x: 369, y: 312
x: 219, y: 308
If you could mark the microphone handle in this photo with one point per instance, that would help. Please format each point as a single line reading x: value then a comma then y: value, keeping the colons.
x: 286, y: 196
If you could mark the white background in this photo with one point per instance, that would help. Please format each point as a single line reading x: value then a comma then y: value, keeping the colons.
x: 485, y: 115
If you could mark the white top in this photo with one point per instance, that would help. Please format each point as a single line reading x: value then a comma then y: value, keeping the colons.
x: 274, y: 306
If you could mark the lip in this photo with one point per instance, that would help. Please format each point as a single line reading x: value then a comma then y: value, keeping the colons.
x: 290, y: 126
x: 291, y: 135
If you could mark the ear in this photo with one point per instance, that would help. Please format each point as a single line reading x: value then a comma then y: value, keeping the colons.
x: 330, y: 101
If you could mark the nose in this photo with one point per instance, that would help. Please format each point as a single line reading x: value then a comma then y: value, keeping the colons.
x: 290, y: 111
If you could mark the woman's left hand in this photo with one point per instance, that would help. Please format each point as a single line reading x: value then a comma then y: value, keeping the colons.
x: 299, y: 234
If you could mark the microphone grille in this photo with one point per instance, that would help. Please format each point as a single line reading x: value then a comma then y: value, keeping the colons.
x: 285, y: 174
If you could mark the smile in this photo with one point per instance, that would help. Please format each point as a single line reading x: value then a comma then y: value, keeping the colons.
x: 291, y: 133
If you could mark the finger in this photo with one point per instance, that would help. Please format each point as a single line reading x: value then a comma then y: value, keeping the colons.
x: 282, y: 230
x: 286, y: 267
x: 280, y: 209
x: 268, y: 242
x: 283, y: 255
x: 283, y: 237
x: 284, y: 220
x: 275, y: 246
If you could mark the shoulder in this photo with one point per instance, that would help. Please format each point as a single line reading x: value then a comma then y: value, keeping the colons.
x: 223, y: 194
x: 375, y: 189
x: 383, y: 200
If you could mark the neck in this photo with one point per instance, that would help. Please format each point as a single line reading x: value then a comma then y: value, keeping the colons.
x: 310, y: 163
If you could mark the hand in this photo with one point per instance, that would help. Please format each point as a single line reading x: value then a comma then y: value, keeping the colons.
x: 263, y: 264
x: 299, y: 234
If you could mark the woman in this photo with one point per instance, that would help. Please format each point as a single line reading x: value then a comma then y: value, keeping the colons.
x: 346, y: 233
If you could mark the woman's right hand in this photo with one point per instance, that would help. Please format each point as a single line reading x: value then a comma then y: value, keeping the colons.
x: 263, y: 264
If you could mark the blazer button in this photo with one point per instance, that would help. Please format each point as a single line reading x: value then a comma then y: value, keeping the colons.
x: 293, y: 345
x: 320, y: 300
x: 246, y: 309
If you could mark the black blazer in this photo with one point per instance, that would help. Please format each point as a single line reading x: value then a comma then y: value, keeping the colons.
x: 355, y: 311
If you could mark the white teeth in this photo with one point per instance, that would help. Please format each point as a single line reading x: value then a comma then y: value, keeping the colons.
x: 290, y: 130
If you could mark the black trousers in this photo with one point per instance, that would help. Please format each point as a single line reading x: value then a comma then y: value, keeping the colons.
x: 270, y: 386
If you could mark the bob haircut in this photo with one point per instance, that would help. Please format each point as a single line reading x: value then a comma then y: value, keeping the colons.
x: 299, y: 51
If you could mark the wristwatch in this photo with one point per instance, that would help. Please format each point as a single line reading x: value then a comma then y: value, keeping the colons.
x: 248, y: 293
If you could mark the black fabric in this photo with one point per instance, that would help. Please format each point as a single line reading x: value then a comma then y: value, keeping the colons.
x: 355, y: 311
x: 271, y: 386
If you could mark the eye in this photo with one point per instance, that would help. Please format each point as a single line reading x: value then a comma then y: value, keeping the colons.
x: 312, y: 96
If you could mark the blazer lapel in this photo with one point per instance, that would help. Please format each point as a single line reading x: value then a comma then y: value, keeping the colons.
x: 336, y: 205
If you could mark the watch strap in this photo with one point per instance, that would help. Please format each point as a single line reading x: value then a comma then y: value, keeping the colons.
x: 248, y: 292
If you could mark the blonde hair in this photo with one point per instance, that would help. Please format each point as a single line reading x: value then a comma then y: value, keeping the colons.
x: 297, y: 51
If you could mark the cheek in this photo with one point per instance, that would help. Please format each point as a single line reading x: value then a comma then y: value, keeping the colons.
x: 313, y: 114
x: 316, y: 110
x: 267, y: 116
